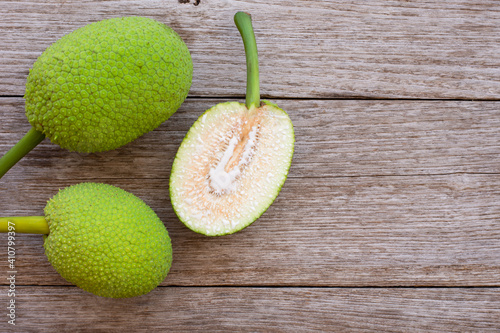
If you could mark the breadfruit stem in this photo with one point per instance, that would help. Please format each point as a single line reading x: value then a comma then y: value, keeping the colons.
x: 24, y: 225
x: 24, y: 146
x: 243, y: 22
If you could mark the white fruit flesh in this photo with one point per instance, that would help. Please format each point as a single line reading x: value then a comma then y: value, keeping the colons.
x: 230, y: 167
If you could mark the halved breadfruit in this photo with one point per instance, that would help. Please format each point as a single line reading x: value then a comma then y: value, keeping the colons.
x: 231, y: 166
x: 234, y: 159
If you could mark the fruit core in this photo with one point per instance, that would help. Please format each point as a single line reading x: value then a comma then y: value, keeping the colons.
x: 237, y: 155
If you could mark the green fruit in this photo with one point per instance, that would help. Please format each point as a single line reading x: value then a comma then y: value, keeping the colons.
x: 106, y: 241
x: 234, y: 159
x: 230, y: 167
x: 108, y: 83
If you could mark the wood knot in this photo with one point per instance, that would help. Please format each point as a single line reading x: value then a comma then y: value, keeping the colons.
x: 195, y: 2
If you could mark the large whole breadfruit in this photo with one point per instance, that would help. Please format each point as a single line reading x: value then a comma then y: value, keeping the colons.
x: 107, y: 83
x: 106, y: 241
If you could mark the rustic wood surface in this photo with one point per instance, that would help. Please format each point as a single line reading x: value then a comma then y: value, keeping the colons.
x: 390, y: 217
x: 263, y: 310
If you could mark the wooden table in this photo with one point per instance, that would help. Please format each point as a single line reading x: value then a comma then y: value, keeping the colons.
x: 390, y: 217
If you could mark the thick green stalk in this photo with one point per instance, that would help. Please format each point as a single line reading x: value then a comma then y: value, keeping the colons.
x: 24, y: 146
x: 243, y: 22
x: 24, y: 225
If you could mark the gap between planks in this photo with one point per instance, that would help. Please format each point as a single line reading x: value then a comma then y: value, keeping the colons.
x: 217, y: 286
x: 350, y: 98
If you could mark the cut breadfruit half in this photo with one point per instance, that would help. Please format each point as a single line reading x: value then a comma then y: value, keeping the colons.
x: 235, y: 158
x: 231, y: 166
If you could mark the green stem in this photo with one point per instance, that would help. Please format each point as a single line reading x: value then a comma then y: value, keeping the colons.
x: 24, y: 146
x: 24, y: 225
x: 244, y: 23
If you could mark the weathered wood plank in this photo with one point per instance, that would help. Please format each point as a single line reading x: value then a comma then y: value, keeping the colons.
x: 373, y: 49
x: 48, y: 309
x: 441, y: 230
x: 333, y: 138
x: 380, y: 193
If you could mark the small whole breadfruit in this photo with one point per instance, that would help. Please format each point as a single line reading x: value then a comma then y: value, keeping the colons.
x: 235, y: 158
x: 102, y: 239
x: 104, y: 85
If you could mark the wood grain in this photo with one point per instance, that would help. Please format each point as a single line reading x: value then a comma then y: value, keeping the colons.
x: 381, y: 193
x: 367, y: 231
x: 333, y: 139
x: 320, y: 49
x: 261, y: 310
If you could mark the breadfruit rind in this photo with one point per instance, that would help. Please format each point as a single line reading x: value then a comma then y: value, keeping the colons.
x: 106, y: 241
x: 105, y: 84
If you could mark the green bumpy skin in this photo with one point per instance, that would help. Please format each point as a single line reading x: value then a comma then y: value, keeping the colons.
x: 108, y: 83
x: 106, y: 241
